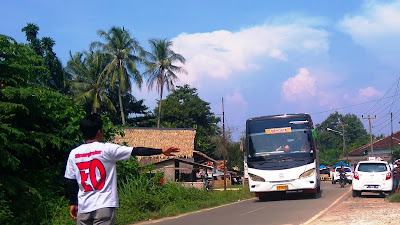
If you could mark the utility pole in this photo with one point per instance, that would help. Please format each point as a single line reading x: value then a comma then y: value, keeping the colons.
x: 391, y: 137
x: 370, y: 132
x: 223, y: 142
x: 344, y: 143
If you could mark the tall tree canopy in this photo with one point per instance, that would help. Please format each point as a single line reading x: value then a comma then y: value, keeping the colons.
x: 38, y: 128
x: 56, y: 77
x: 89, y: 87
x: 160, y: 69
x: 183, y: 108
x: 120, y: 49
x: 330, y: 143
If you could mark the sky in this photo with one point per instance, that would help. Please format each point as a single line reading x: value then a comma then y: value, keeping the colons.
x: 262, y: 57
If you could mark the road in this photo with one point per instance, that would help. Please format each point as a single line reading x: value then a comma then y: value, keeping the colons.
x: 293, y: 208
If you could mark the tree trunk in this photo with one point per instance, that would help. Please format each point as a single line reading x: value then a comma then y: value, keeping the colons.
x: 121, y: 107
x: 159, y: 103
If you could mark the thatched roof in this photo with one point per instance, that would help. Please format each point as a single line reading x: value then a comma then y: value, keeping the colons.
x: 160, y: 138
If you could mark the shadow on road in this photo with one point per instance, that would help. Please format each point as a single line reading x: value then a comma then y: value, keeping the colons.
x: 282, y: 196
x: 372, y: 195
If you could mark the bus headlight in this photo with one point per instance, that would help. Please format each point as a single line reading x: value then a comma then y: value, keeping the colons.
x: 308, y: 173
x: 256, y: 178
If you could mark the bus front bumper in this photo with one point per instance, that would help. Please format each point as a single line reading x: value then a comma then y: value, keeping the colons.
x: 307, y: 185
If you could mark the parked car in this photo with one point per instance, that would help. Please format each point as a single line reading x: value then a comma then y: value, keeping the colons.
x: 336, y: 175
x: 372, y: 176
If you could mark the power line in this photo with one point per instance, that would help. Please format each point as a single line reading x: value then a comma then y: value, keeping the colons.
x: 349, y: 106
x: 383, y: 96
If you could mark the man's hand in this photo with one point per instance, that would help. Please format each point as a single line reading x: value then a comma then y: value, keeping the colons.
x: 169, y: 151
x: 73, y: 211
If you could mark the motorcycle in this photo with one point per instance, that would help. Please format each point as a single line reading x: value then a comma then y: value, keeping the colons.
x: 206, y: 183
x: 343, y: 179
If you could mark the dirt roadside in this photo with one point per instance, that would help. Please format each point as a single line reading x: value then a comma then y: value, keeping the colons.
x: 369, y: 209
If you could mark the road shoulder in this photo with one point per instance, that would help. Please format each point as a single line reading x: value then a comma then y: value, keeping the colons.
x: 369, y: 209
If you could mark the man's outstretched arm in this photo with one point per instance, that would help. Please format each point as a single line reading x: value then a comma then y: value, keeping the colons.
x: 143, y: 151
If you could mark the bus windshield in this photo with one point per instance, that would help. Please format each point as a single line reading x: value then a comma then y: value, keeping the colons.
x: 279, y: 137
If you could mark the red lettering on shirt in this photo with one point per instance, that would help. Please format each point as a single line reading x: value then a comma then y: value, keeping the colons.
x: 83, y: 155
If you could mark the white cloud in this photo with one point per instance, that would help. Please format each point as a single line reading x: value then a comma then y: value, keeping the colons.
x: 300, y: 87
x: 220, y: 54
x: 236, y: 98
x: 376, y: 27
x: 368, y: 93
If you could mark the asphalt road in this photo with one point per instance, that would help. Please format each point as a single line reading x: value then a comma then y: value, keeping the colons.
x: 293, y: 208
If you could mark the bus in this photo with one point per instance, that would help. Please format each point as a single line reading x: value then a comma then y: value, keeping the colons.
x: 281, y: 155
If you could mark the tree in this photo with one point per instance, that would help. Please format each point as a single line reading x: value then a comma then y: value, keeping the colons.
x: 131, y: 106
x: 183, y: 108
x: 89, y: 87
x: 330, y: 143
x: 119, y: 49
x: 160, y: 69
x: 56, y: 78
x: 38, y: 128
x: 16, y: 58
x: 31, y: 31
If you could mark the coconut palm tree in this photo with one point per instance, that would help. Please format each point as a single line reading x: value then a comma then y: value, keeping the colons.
x: 89, y: 87
x: 119, y: 48
x: 159, y: 68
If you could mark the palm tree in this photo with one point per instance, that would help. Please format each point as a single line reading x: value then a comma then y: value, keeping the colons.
x: 159, y: 68
x: 121, y: 67
x: 89, y: 86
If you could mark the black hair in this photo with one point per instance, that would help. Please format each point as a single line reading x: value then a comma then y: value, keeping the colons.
x: 90, y: 125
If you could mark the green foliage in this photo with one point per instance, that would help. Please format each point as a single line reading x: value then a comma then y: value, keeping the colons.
x: 89, y: 87
x: 19, y: 65
x: 131, y: 106
x: 183, y: 108
x: 38, y: 128
x: 56, y: 77
x: 234, y: 156
x: 393, y: 198
x: 329, y: 157
x: 396, y: 152
x: 330, y: 144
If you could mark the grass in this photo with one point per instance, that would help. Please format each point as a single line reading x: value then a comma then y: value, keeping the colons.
x: 394, y: 197
x: 230, y: 186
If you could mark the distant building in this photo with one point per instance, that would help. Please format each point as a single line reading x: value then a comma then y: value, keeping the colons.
x: 382, y: 148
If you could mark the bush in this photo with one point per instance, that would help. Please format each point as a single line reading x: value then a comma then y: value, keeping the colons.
x: 394, y: 197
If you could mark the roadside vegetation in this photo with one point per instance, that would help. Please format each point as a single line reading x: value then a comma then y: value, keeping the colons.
x: 142, y: 197
x: 393, y: 197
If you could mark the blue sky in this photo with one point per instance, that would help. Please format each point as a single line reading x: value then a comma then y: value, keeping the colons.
x: 262, y: 57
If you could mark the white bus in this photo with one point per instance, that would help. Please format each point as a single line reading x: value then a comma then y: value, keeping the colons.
x: 281, y: 154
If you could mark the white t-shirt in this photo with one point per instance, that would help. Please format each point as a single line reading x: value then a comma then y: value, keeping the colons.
x: 93, y: 165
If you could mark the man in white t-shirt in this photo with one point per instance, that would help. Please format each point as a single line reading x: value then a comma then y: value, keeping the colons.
x: 91, y: 173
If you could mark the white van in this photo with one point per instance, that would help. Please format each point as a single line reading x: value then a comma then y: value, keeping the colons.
x: 372, y: 176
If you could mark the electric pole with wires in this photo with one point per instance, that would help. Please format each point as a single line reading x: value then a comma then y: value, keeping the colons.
x: 370, y: 131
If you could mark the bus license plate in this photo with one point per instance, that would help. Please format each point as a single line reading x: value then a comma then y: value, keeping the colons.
x: 281, y: 187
